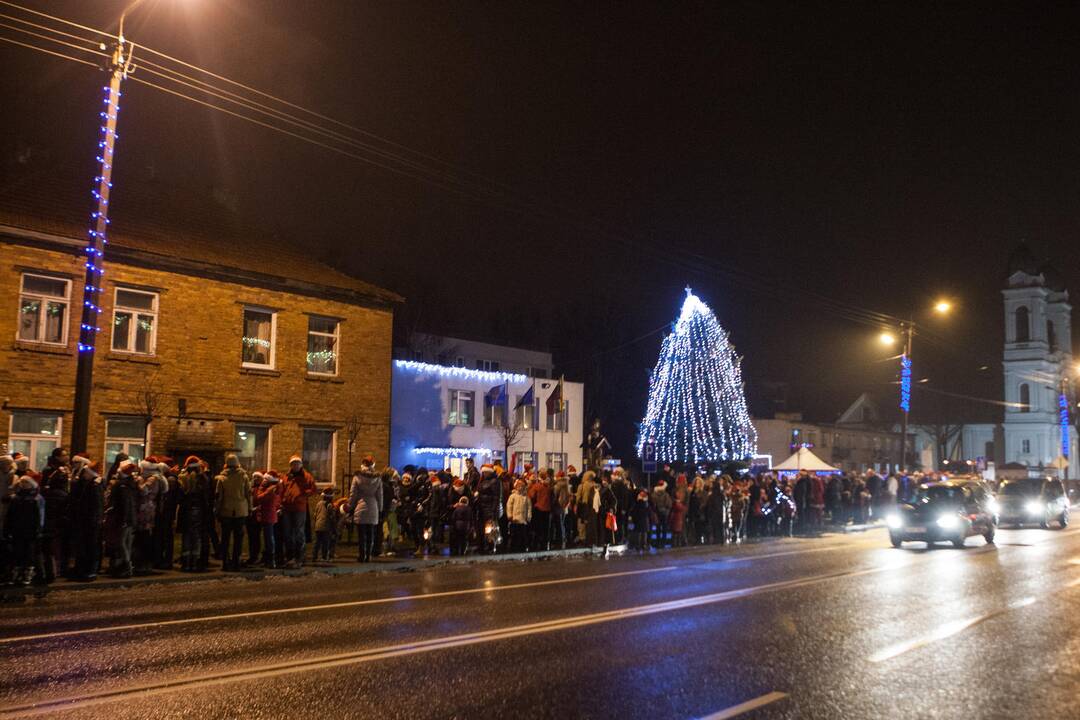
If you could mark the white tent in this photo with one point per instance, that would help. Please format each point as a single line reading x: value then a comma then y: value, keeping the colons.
x: 803, y: 459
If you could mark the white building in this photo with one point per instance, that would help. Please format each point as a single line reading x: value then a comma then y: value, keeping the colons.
x: 1038, y: 370
x: 454, y: 398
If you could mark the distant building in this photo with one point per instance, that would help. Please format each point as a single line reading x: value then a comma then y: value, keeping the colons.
x: 455, y: 398
x: 857, y: 441
x: 241, y: 343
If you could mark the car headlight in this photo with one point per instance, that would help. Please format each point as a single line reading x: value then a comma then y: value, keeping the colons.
x: 992, y: 506
x: 894, y: 521
x: 947, y: 522
x: 1034, y: 507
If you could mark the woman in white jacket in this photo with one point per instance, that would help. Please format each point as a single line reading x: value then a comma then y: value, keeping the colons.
x: 519, y: 513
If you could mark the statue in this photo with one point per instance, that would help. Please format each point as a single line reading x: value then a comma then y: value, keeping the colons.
x: 596, y: 447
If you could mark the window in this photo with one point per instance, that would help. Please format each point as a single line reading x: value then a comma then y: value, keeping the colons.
x: 135, y: 321
x: 322, y: 345
x: 35, y: 435
x: 259, y: 329
x: 557, y: 421
x: 538, y: 372
x: 526, y: 416
x: 319, y: 454
x: 1025, y: 397
x: 1023, y: 327
x: 125, y: 435
x: 1051, y: 336
x: 494, y: 415
x: 461, y: 408
x: 487, y: 365
x: 43, y: 309
x: 460, y: 362
x: 521, y: 458
x: 253, y: 447
x: 556, y: 461
x: 1025, y: 446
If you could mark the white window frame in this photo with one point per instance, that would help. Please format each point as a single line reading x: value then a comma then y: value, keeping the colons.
x: 455, y: 409
x: 269, y: 439
x: 127, y: 441
x: 490, y: 414
x: 1025, y: 446
x: 552, y: 426
x: 43, y: 300
x: 520, y: 460
x: 133, y: 325
x: 34, y: 439
x: 487, y: 365
x: 322, y: 482
x: 521, y: 413
x: 273, y: 337
x: 336, y: 335
x: 556, y: 461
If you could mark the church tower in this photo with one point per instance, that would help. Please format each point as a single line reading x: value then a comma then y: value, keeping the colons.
x: 1038, y: 356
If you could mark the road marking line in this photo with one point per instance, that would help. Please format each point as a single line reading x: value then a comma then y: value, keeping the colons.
x: 420, y: 646
x: 953, y: 628
x: 746, y: 707
x: 379, y: 601
x: 330, y: 606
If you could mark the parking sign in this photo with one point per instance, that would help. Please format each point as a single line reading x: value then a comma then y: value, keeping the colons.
x: 648, y: 457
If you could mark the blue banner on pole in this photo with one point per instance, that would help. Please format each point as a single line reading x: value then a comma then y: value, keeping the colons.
x: 905, y: 383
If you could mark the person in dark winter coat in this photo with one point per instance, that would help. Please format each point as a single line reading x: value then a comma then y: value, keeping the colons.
x: 460, y: 526
x: 436, y: 511
x: 661, y: 507
x: 54, y: 535
x: 639, y: 516
x: 472, y: 475
x: 325, y: 522
x: 86, y: 508
x: 488, y: 505
x: 716, y: 512
x: 121, y: 516
x: 802, y: 500
x: 624, y: 498
x: 297, y: 486
x: 196, y: 508
x: 366, y: 503
x: 23, y: 525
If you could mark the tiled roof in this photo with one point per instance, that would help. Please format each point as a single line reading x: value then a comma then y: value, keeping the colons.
x: 151, y: 217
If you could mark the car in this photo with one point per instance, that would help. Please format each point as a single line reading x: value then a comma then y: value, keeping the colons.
x: 1033, y: 500
x: 952, y: 510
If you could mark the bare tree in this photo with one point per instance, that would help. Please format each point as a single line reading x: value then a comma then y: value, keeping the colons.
x: 511, y: 433
x: 148, y: 400
x: 943, y: 433
x: 352, y: 431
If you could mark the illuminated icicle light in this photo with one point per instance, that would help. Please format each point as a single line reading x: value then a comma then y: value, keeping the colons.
x: 453, y: 451
x: 697, y: 407
x: 460, y: 373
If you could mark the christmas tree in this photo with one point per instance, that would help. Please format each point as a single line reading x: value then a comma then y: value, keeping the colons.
x: 697, y: 408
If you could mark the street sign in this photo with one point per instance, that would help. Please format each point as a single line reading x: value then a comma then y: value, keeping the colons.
x: 648, y: 457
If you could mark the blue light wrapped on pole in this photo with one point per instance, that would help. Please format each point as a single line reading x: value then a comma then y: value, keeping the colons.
x: 1063, y: 419
x: 905, y: 383
x: 697, y: 407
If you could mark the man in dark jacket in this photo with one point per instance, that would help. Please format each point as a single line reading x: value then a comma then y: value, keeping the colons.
x: 196, y: 502
x: 54, y: 535
x: 472, y: 475
x: 624, y: 498
x: 86, y: 508
x: 122, y: 516
x: 488, y: 502
x: 23, y: 525
x: 802, y: 500
x: 387, y: 479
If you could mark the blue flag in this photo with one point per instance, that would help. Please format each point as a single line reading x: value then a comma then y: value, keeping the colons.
x: 497, y: 396
x: 526, y: 399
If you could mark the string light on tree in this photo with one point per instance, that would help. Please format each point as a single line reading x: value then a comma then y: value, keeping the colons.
x: 697, y: 406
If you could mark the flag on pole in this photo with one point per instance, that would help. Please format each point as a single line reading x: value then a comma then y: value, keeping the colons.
x: 527, y: 400
x: 555, y: 402
x: 496, y: 396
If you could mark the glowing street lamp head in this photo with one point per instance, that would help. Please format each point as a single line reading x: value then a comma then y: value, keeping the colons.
x: 887, y: 338
x: 942, y: 307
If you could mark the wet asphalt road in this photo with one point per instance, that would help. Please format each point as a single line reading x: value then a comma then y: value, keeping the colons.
x: 842, y: 626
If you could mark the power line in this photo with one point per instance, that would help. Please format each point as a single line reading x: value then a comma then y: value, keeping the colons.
x: 50, y: 52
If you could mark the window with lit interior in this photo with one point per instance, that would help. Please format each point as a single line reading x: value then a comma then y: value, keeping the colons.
x: 322, y: 345
x: 258, y: 338
x: 43, y: 309
x: 135, y: 321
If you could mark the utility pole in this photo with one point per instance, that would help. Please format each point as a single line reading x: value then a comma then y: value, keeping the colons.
x: 119, y: 66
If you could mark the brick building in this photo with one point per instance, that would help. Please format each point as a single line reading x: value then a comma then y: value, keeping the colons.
x: 237, y: 341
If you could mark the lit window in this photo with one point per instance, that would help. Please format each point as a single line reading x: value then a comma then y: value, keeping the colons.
x: 35, y: 435
x: 557, y: 421
x: 135, y: 321
x: 258, y: 340
x: 526, y: 416
x: 125, y: 435
x: 494, y: 414
x: 461, y: 408
x: 556, y: 461
x: 487, y: 365
x: 524, y: 458
x: 253, y: 447
x: 319, y: 454
x: 322, y: 345
x: 43, y: 309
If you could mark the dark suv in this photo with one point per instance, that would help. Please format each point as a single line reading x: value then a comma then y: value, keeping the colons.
x: 1033, y: 500
x: 953, y: 510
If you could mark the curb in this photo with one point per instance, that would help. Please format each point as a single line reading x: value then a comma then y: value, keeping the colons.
x: 171, y: 577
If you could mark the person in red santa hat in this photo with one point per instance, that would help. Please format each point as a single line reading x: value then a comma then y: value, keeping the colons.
x: 296, y: 488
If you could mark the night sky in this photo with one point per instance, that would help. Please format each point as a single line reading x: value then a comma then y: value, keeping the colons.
x: 768, y: 154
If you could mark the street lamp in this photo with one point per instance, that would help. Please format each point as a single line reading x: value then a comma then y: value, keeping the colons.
x: 907, y: 330
x: 118, y: 68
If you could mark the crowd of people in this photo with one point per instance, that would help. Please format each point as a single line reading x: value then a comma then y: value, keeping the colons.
x: 70, y: 519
